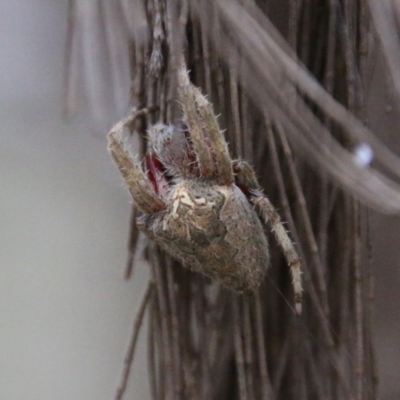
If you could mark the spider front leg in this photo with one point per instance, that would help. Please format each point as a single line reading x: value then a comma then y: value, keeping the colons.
x: 140, y: 187
x: 208, y: 140
x: 246, y: 179
x: 194, y: 124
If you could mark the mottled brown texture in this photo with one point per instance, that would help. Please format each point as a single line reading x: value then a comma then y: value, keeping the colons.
x: 206, y: 221
x: 213, y: 230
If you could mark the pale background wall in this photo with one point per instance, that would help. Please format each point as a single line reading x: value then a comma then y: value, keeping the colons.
x: 65, y: 312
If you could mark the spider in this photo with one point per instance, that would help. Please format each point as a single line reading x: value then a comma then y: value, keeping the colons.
x: 198, y: 204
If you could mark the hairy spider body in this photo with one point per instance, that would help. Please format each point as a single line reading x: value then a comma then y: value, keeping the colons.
x: 199, y: 204
x: 202, y: 228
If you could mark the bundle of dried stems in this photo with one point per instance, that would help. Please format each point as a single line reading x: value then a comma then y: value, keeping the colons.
x: 294, y: 109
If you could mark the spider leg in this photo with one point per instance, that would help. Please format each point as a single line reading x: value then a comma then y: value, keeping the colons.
x: 140, y: 188
x: 272, y: 218
x: 187, y: 95
x: 245, y: 177
x: 222, y: 158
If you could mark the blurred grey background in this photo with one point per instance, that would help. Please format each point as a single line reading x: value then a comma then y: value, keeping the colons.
x: 65, y: 311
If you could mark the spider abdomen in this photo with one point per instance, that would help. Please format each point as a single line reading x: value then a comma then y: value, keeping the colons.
x: 213, y: 230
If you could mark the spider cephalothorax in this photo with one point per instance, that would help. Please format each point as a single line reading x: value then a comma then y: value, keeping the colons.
x: 197, y: 203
